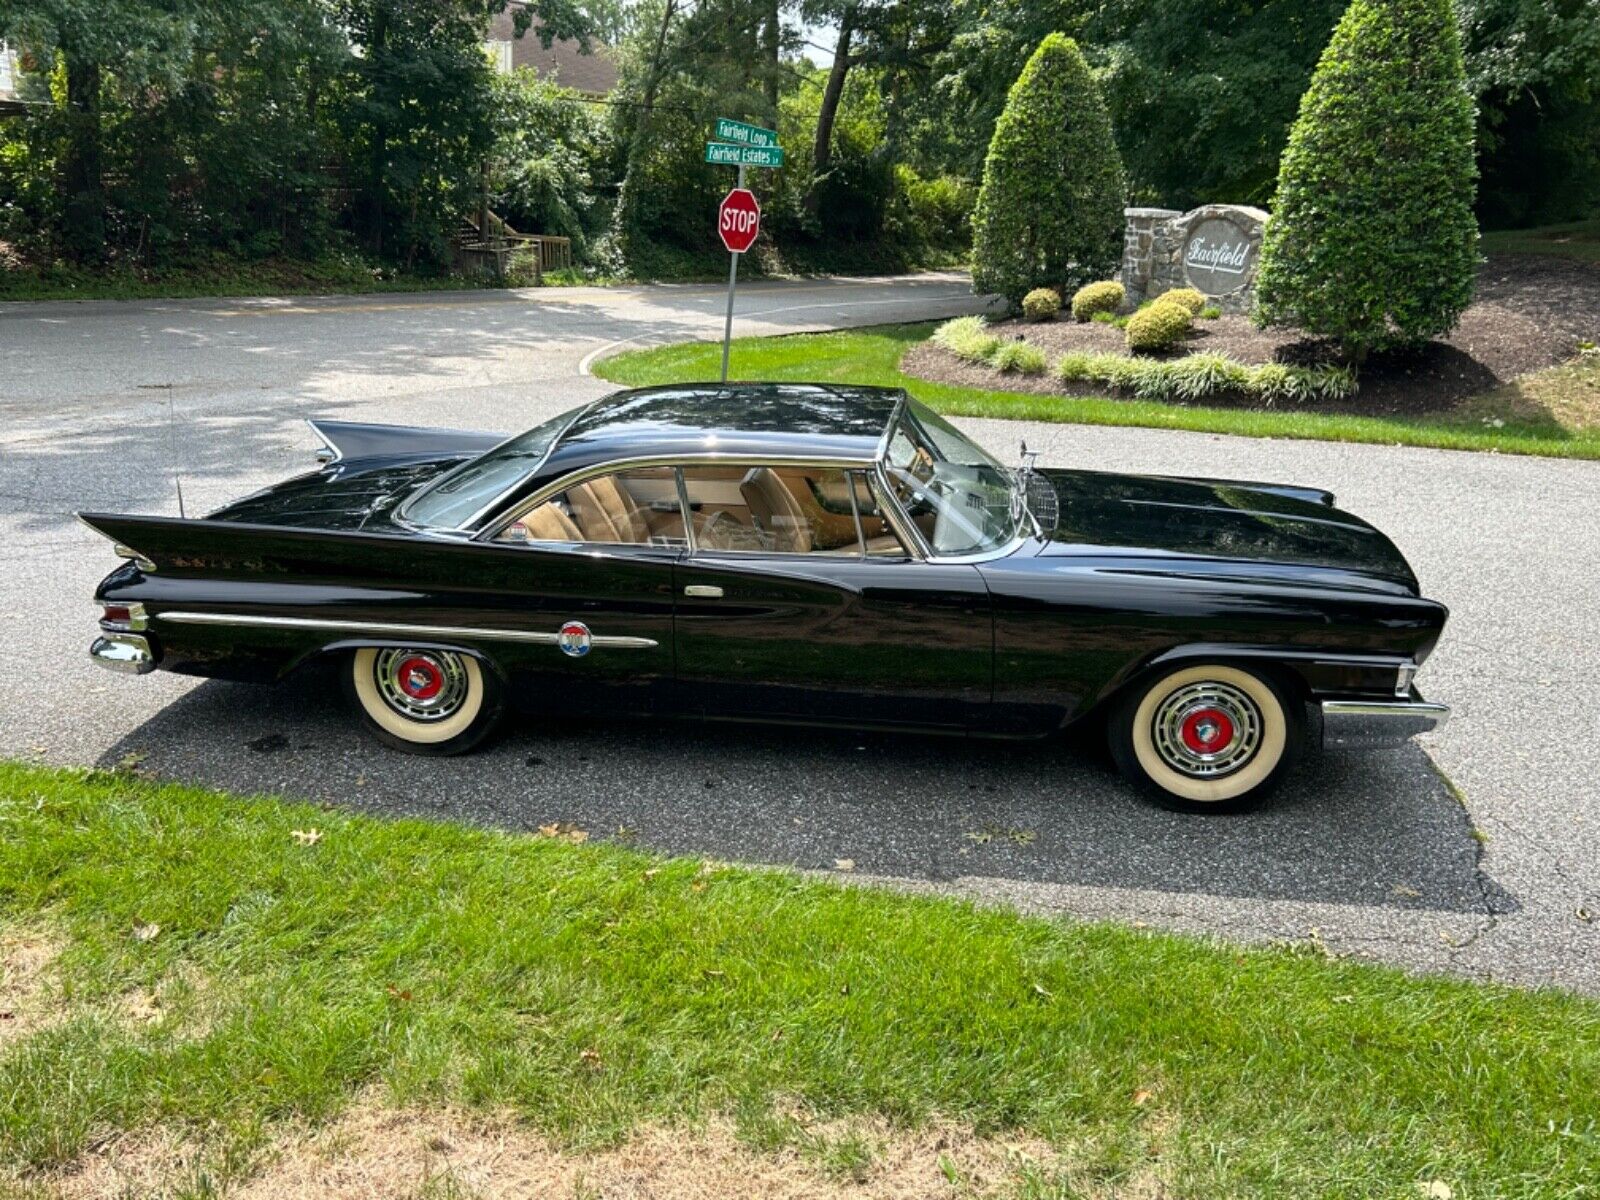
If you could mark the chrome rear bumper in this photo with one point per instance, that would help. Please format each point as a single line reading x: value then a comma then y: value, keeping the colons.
x: 125, y: 652
x: 1378, y: 724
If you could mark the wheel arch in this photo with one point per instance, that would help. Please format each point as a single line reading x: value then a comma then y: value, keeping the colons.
x: 1295, y: 672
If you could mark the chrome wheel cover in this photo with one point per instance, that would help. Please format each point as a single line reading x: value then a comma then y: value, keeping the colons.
x: 421, y: 685
x: 1206, y: 730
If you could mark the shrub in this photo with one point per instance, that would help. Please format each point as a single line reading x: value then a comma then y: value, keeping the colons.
x: 1197, y: 376
x: 1041, y: 304
x: 1202, y: 376
x: 1210, y: 312
x: 1372, y: 240
x: 1049, y: 213
x: 1093, y: 299
x: 1189, y: 298
x: 1018, y: 358
x: 967, y: 338
x: 1076, y: 365
x: 1157, y: 327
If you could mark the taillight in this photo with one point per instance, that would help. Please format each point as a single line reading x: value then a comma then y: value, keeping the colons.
x: 123, y: 618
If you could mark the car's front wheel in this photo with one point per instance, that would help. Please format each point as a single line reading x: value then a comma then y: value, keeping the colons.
x: 433, y: 702
x: 1208, y: 738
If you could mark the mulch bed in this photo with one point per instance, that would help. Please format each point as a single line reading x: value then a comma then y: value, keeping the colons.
x: 1530, y: 313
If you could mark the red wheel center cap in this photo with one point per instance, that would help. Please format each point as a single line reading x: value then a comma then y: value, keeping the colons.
x: 419, y: 679
x: 1206, y: 730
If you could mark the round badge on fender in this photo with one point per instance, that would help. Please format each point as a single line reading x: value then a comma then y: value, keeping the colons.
x: 574, y: 639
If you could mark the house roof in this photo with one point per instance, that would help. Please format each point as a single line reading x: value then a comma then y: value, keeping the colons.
x: 593, y: 74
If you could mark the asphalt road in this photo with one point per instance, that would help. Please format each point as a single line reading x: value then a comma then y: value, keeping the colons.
x: 1370, y: 855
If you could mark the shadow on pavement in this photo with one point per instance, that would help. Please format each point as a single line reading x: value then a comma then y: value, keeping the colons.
x: 1375, y: 830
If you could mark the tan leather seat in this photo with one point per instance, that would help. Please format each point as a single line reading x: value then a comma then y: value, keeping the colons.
x: 776, y: 512
x: 547, y: 523
x: 605, y: 513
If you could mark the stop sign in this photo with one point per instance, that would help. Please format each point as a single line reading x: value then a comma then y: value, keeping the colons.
x: 739, y: 220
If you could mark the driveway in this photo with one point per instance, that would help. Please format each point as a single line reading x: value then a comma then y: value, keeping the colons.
x: 1371, y: 855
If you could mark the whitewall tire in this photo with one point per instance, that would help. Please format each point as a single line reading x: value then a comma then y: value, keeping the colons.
x: 1207, y: 738
x: 433, y: 702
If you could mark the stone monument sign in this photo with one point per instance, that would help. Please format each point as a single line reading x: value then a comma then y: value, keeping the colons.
x: 1214, y: 249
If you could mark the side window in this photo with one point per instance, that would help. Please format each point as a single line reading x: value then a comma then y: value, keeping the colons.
x: 880, y: 537
x: 772, y: 510
x: 631, y: 508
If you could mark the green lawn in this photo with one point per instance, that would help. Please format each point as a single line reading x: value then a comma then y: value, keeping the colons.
x: 1579, y: 240
x: 590, y: 988
x: 872, y: 356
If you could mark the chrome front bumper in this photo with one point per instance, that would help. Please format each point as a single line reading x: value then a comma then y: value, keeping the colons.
x: 1378, y: 724
x: 127, y: 653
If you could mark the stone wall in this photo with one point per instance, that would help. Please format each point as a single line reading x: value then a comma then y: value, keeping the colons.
x: 1215, y: 248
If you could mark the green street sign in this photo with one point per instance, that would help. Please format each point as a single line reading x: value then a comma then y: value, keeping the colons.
x: 745, y: 135
x: 743, y: 156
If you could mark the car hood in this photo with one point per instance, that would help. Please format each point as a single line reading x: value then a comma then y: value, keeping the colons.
x: 349, y: 494
x: 1241, y: 528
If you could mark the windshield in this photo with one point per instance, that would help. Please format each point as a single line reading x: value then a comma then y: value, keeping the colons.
x: 458, y: 496
x: 961, y: 500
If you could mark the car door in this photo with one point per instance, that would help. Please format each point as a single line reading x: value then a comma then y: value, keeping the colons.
x: 590, y: 571
x: 797, y: 602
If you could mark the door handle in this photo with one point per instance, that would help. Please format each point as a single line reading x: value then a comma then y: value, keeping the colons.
x: 705, y: 590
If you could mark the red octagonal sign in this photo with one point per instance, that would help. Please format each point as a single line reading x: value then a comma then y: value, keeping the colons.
x: 739, y: 220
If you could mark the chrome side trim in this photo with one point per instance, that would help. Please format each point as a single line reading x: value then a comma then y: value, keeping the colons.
x: 394, y: 629
x: 616, y: 465
x: 1378, y: 724
x: 125, y: 653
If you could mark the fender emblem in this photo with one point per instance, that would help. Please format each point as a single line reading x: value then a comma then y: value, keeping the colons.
x: 574, y: 639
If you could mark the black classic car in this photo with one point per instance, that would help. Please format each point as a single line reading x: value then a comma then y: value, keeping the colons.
x: 792, y: 553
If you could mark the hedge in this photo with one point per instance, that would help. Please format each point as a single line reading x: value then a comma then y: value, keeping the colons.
x: 1372, y: 241
x: 1049, y: 213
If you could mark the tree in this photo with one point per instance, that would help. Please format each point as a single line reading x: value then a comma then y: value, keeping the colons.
x: 1202, y: 92
x: 148, y: 44
x: 1534, y: 67
x: 1049, y: 213
x: 1372, y: 239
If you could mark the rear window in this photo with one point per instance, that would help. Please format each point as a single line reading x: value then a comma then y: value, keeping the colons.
x: 456, y: 498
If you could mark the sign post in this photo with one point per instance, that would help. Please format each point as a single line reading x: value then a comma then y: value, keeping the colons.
x: 741, y: 145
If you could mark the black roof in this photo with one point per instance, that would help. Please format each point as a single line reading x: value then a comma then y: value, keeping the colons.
x: 798, y: 420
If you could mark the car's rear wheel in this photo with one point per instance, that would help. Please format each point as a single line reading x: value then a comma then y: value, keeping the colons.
x: 1208, y: 738
x: 433, y: 702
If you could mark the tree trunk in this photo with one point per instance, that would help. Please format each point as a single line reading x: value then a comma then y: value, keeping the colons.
x: 822, y: 149
x: 84, y: 236
x: 771, y: 45
x: 379, y: 168
x: 627, y: 193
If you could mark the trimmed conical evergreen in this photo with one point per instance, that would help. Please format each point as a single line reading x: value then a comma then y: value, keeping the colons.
x: 1372, y: 239
x: 1050, y: 210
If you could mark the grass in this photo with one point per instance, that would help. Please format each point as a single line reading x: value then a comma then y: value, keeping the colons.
x: 871, y: 356
x: 591, y: 988
x: 1579, y: 240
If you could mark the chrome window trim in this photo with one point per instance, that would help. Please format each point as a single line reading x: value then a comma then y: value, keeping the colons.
x: 674, y: 461
x: 855, y: 513
x: 683, y: 511
x: 896, y: 414
x: 906, y: 529
x: 902, y: 520
x: 393, y: 629
x: 400, y: 512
